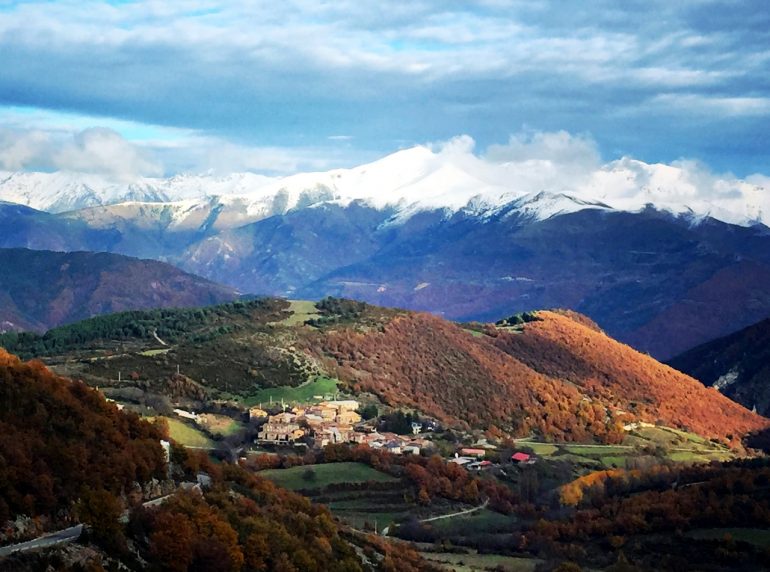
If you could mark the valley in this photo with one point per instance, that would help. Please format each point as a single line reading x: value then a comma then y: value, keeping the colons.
x: 384, y: 286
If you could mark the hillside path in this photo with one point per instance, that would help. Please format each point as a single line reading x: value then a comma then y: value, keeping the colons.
x: 155, y: 335
x: 462, y: 512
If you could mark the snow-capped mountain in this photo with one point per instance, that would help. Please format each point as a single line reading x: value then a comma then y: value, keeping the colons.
x: 64, y: 191
x: 413, y: 180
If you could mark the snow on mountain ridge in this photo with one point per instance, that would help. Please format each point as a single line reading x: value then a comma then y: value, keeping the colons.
x: 411, y: 180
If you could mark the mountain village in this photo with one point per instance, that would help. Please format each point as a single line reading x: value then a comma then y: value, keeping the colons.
x: 332, y: 422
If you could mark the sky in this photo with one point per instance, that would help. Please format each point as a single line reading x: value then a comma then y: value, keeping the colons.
x: 154, y: 88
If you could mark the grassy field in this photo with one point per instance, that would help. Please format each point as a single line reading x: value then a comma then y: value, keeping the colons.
x: 186, y: 435
x: 698, y: 456
x: 542, y: 449
x: 327, y: 474
x: 670, y: 437
x: 219, y: 424
x: 302, y: 394
x: 481, y: 562
x: 157, y: 352
x: 362, y: 520
x: 673, y: 444
x: 614, y: 461
x: 757, y: 536
x: 596, y: 450
x: 303, y: 310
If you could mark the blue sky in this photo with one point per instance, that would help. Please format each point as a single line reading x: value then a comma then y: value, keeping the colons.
x: 296, y: 85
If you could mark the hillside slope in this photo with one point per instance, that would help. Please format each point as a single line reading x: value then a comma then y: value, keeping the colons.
x: 738, y: 365
x: 68, y: 456
x: 613, y: 372
x: 43, y: 289
x: 556, y: 376
x: 59, y: 438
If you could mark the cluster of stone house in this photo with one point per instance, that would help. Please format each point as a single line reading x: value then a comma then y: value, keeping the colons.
x: 283, y: 427
x: 327, y: 423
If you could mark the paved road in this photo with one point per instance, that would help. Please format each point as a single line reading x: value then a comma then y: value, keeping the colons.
x: 61, y: 537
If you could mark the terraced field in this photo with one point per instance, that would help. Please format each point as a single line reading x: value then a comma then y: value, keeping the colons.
x: 474, y: 562
x: 666, y: 442
x: 756, y: 536
x: 302, y: 310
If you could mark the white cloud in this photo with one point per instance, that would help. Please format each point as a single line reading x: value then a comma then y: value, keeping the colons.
x: 99, y: 151
x: 534, y: 161
x: 289, y: 73
x: 22, y: 148
x: 105, y: 152
x: 559, y: 147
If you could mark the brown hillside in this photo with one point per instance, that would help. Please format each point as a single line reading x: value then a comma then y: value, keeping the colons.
x: 617, y: 374
x: 421, y: 361
x: 557, y: 376
x: 41, y: 289
x: 59, y: 438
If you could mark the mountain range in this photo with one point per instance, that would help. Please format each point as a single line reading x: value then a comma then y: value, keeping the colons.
x: 417, y: 179
x: 645, y: 250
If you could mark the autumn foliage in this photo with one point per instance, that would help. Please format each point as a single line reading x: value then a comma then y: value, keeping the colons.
x: 431, y: 477
x: 243, y: 523
x: 559, y: 376
x: 665, y: 499
x: 60, y: 439
x: 615, y: 374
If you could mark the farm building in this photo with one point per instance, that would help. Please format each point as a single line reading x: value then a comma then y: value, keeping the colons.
x: 523, y: 458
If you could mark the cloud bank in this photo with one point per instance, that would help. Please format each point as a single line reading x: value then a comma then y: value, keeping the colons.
x: 656, y: 79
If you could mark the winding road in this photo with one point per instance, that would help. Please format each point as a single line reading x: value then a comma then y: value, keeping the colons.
x: 61, y: 537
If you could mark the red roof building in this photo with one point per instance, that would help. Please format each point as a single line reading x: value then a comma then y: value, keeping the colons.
x: 520, y: 457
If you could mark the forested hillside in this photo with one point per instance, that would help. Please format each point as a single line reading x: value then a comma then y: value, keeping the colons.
x: 60, y: 439
x: 170, y: 324
x: 555, y: 375
x: 68, y: 456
